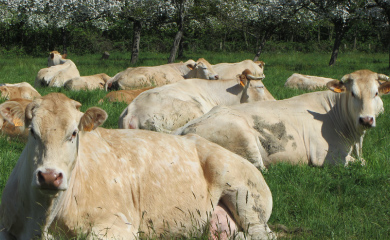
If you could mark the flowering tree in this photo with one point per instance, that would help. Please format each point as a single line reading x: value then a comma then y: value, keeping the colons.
x: 56, y: 14
x: 342, y: 13
x: 380, y: 9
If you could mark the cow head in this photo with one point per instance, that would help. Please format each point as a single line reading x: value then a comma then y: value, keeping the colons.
x: 201, y: 69
x: 55, y: 58
x: 5, y: 93
x: 12, y: 117
x: 254, y: 89
x: 362, y: 91
x: 55, y: 125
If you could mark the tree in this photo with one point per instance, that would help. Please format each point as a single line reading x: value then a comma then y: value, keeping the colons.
x: 342, y: 13
x: 380, y: 9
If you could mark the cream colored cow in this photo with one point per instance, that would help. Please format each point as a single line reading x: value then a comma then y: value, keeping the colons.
x: 55, y: 58
x: 12, y: 118
x: 230, y: 70
x: 92, y: 82
x: 141, y: 77
x: 56, y: 76
x: 318, y: 128
x: 18, y: 90
x: 76, y: 178
x: 169, y: 107
x: 126, y: 96
x: 306, y: 82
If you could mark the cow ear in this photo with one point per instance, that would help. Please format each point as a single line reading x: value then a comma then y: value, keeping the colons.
x: 92, y: 118
x: 13, y: 112
x: 191, y: 66
x: 4, y: 92
x: 384, y: 88
x: 336, y: 86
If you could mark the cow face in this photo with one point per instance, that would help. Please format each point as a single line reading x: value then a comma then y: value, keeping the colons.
x: 362, y: 93
x: 54, y: 58
x: 202, y: 69
x: 55, y: 125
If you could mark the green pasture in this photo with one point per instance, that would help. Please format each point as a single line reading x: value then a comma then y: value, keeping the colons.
x: 333, y: 202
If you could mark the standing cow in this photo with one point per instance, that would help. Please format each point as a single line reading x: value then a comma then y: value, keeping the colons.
x: 166, y: 108
x: 76, y: 178
x: 313, y: 128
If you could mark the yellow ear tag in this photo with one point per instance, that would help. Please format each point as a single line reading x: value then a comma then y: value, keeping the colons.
x: 338, y: 90
x: 242, y: 84
x: 88, y: 128
x: 17, y: 122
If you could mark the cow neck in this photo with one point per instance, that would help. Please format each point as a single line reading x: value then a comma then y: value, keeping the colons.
x: 222, y: 92
x: 338, y: 112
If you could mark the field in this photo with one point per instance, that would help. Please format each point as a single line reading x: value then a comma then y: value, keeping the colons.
x: 333, y: 202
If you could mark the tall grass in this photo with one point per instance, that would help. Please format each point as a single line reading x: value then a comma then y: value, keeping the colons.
x: 326, y: 203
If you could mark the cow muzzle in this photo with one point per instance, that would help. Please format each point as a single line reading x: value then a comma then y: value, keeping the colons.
x: 49, y: 179
x: 367, y: 121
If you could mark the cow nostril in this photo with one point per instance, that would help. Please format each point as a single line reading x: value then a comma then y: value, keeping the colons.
x: 41, y: 178
x: 366, y: 121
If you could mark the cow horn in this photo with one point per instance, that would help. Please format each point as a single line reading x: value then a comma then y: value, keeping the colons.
x: 345, y: 77
x: 251, y: 77
x: 383, y: 77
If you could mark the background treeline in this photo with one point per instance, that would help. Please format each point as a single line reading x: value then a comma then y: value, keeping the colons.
x: 35, y: 27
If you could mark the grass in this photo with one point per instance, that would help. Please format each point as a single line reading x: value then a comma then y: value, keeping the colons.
x: 326, y: 203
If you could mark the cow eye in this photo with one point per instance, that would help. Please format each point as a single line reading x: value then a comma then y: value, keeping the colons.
x: 74, y: 134
x: 376, y: 94
x: 353, y: 95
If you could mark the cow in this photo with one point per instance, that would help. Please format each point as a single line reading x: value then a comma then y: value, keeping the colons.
x: 126, y: 96
x: 55, y: 58
x: 12, y: 118
x: 166, y: 108
x: 230, y: 70
x: 317, y: 128
x: 92, y: 82
x: 306, y: 82
x: 18, y: 90
x: 56, y: 76
x: 141, y: 77
x: 76, y: 178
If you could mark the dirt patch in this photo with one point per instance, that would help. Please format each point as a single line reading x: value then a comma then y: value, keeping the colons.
x: 273, y: 137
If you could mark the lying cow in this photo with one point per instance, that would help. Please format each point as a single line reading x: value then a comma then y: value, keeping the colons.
x: 55, y: 58
x: 92, y: 82
x: 230, y: 70
x: 141, y: 77
x: 18, y: 90
x: 306, y: 82
x: 169, y: 107
x: 126, y: 96
x: 12, y: 118
x: 313, y: 128
x: 56, y: 76
x: 76, y: 178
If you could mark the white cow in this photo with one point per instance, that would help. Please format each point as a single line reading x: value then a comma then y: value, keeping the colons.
x: 56, y: 76
x: 92, y: 82
x: 313, y: 128
x: 55, y: 58
x: 18, y: 90
x: 169, y: 107
x: 230, y: 70
x: 141, y: 77
x: 306, y: 82
x: 76, y: 178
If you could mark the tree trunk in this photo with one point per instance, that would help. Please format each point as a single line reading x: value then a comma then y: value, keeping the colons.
x: 180, y: 54
x: 179, y: 33
x: 260, y: 48
x: 64, y: 50
x: 340, y: 30
x: 137, y: 26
